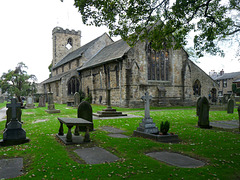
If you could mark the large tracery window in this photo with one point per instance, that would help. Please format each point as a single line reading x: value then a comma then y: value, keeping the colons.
x: 158, y: 65
x: 73, y: 86
x: 197, y: 88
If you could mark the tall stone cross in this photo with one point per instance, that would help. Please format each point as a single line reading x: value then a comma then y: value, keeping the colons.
x: 146, y: 100
x: 14, y: 104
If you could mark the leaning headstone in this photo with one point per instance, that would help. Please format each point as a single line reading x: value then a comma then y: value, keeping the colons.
x: 9, y: 115
x: 76, y: 99
x: 85, y: 112
x: 197, y: 106
x: 203, y: 117
x: 42, y: 101
x: 147, y: 125
x: 14, y: 134
x: 51, y: 107
x: 30, y: 102
x: 230, y: 106
x: 1, y: 99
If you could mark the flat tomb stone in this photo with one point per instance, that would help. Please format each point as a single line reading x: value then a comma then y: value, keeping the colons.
x: 11, y: 168
x: 118, y: 136
x: 176, y: 159
x: 96, y: 155
x: 112, y: 129
x: 169, y: 138
x: 223, y: 125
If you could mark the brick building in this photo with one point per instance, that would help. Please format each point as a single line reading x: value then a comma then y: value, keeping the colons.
x: 169, y: 76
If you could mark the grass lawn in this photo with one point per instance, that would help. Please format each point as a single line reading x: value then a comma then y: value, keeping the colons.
x: 46, y: 158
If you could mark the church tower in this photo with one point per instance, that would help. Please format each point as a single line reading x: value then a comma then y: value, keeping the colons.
x: 64, y: 42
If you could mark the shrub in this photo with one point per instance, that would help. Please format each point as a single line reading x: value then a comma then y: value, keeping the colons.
x: 164, y: 127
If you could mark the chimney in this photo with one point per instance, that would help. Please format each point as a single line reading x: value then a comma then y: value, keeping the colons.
x: 221, y: 72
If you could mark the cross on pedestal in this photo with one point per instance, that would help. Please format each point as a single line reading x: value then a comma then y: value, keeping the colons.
x: 14, y: 105
x: 146, y: 100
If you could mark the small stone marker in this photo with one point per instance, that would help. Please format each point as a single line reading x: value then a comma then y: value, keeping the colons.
x: 147, y: 125
x: 230, y: 106
x: 76, y: 99
x: 96, y: 155
x: 11, y: 168
x: 85, y: 112
x: 203, y: 117
x: 176, y: 159
x: 30, y: 103
x: 14, y: 134
x: 51, y: 107
x: 42, y: 101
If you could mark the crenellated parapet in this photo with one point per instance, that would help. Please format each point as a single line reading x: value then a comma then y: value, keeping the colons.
x: 65, y: 31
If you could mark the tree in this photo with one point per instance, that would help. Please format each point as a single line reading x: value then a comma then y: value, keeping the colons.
x: 18, y: 82
x: 164, y: 24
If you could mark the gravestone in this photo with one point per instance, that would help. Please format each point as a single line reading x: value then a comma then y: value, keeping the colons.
x: 1, y: 99
x: 197, y: 106
x: 147, y: 125
x: 14, y: 134
x: 203, y: 117
x: 230, y: 106
x: 76, y: 99
x: 239, y: 116
x: 42, y: 101
x: 51, y: 107
x: 85, y: 112
x: 30, y: 102
x: 9, y: 115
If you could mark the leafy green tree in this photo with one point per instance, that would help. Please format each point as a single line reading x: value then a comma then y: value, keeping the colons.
x: 164, y: 24
x: 18, y: 82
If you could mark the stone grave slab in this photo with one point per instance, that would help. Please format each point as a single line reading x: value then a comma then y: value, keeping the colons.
x: 40, y: 120
x: 233, y: 124
x: 118, y: 136
x: 11, y: 168
x: 96, y: 155
x: 176, y: 159
x: 112, y: 129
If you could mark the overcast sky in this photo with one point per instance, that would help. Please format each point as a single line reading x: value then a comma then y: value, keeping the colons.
x: 26, y: 36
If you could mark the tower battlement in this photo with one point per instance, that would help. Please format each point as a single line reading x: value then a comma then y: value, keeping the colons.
x: 65, y: 31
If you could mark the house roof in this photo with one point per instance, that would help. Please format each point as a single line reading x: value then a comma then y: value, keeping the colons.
x: 111, y: 52
x: 237, y: 80
x: 228, y: 76
x: 76, y: 53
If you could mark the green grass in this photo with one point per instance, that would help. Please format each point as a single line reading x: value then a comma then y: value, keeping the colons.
x: 46, y: 158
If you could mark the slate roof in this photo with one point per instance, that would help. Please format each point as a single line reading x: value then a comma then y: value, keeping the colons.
x: 76, y: 53
x: 55, y: 78
x: 111, y: 52
x: 228, y: 76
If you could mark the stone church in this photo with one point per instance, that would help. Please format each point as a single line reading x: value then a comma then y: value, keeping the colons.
x: 169, y: 76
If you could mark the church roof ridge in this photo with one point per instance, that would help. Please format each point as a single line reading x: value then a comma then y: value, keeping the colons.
x: 114, y: 51
x: 76, y: 53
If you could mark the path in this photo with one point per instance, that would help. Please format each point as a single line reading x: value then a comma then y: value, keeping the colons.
x: 3, y: 113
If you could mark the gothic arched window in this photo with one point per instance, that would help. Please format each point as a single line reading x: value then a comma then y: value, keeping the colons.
x: 158, y: 65
x: 73, y: 86
x: 197, y: 88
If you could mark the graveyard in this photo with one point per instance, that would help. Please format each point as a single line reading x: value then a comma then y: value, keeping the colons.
x: 46, y: 157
